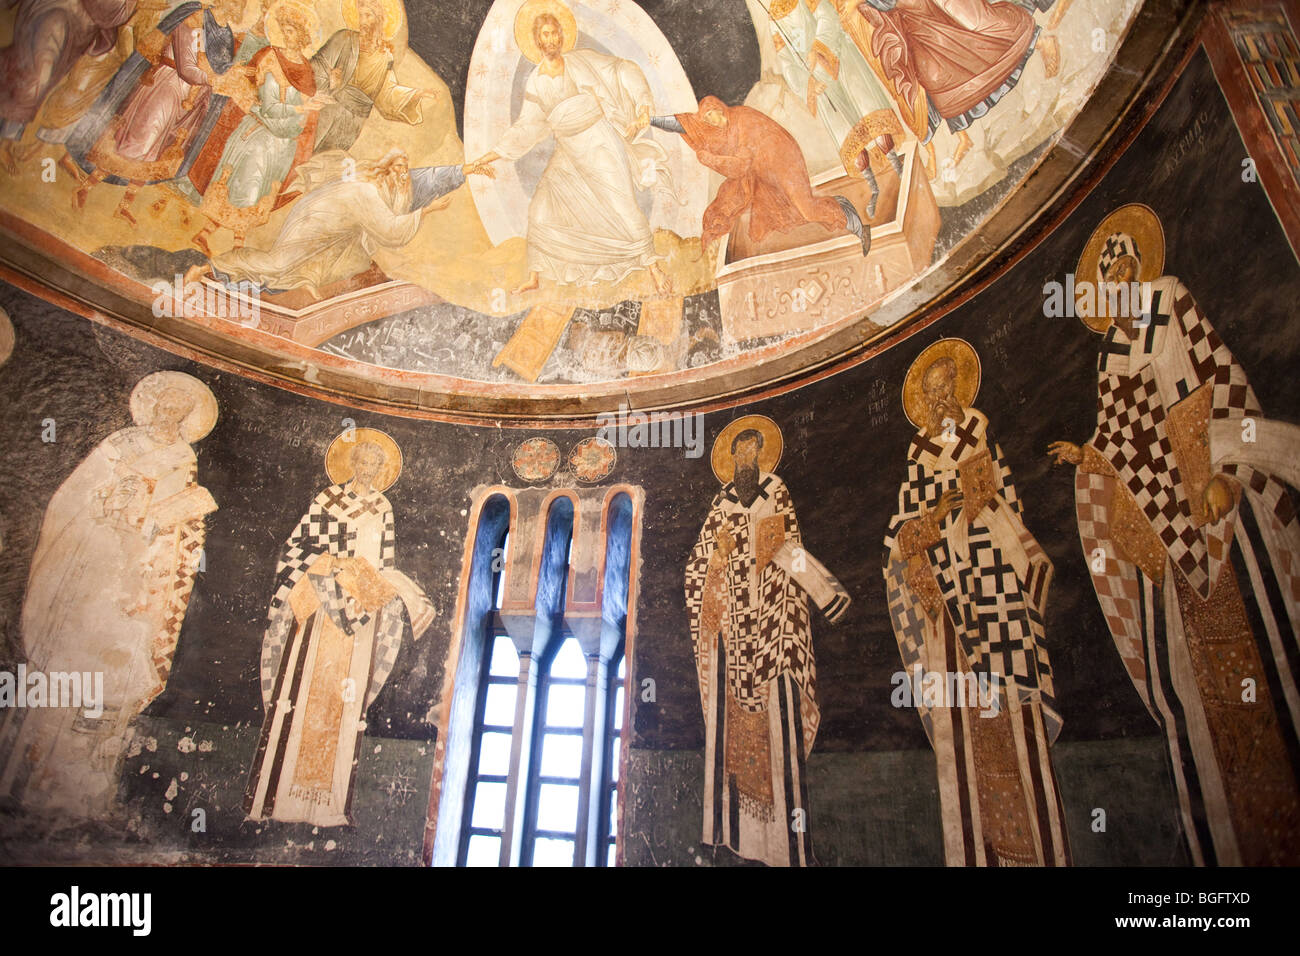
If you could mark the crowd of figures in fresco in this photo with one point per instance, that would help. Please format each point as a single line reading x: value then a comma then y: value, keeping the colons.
x: 272, y: 146
x: 1183, y: 515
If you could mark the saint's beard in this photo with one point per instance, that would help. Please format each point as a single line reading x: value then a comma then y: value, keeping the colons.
x: 943, y: 409
x: 746, y: 482
x: 396, y: 193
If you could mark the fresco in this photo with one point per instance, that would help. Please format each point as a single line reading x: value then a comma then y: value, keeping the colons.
x: 335, y: 627
x: 748, y: 583
x: 1182, y: 488
x: 593, y: 203
x: 111, y: 579
x: 1100, y: 545
x: 967, y: 587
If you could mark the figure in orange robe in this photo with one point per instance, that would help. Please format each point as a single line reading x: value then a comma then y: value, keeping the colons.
x: 766, y: 174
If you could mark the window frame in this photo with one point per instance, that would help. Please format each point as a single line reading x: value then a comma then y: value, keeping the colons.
x: 529, y: 832
x: 450, y: 830
x: 610, y: 786
x: 494, y: 630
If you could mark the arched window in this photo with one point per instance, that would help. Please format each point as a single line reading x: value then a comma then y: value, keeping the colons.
x: 543, y: 723
x: 556, y: 787
x: 494, y: 719
x: 481, y: 663
x: 613, y: 759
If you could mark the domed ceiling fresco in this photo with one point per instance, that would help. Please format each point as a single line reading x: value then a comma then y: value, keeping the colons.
x: 542, y: 208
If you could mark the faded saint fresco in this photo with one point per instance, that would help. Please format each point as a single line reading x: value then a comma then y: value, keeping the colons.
x: 109, y: 586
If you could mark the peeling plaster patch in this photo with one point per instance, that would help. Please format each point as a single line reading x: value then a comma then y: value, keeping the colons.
x: 330, y: 845
x: 185, y: 745
x: 205, y: 746
x: 172, y: 789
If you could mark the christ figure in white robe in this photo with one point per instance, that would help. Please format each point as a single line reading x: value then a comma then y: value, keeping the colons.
x: 584, y: 224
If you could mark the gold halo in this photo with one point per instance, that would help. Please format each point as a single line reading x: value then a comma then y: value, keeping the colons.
x: 196, y: 424
x: 724, y: 466
x: 780, y: 9
x: 338, y: 457
x: 275, y: 33
x: 1139, y: 221
x: 529, y: 13
x: 393, y: 15
x: 6, y: 337
x: 968, y: 376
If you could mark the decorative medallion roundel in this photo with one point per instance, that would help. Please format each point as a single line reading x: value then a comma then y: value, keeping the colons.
x: 535, y: 459
x: 592, y: 459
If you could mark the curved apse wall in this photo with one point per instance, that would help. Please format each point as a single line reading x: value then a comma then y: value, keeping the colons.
x: 875, y: 786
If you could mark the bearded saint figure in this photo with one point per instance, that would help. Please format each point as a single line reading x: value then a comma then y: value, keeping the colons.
x: 343, y: 217
x: 1194, y: 549
x: 967, y: 589
x: 335, y: 626
x: 748, y: 581
x: 355, y: 69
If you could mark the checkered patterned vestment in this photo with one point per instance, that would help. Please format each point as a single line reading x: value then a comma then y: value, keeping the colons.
x: 1174, y: 351
x: 328, y: 528
x: 1178, y: 590
x: 1172, y: 354
x: 750, y: 603
x: 993, y: 585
